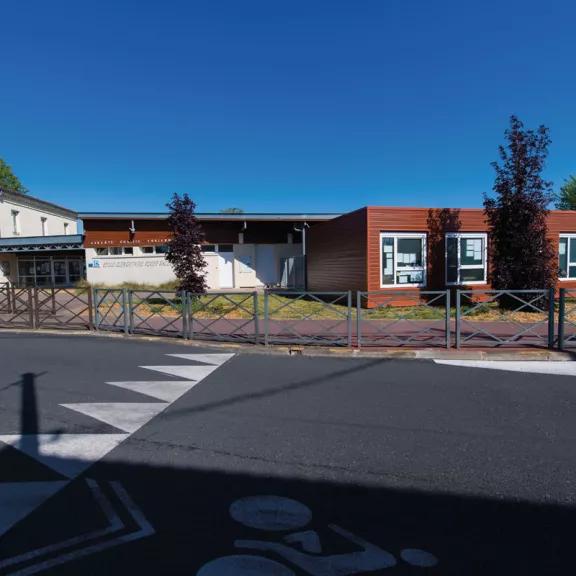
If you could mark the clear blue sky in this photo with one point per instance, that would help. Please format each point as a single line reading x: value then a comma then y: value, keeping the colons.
x: 279, y: 105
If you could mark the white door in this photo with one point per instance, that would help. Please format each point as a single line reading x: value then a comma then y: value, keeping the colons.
x: 226, y: 265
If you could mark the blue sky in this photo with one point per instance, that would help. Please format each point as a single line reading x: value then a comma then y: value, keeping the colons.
x: 279, y: 105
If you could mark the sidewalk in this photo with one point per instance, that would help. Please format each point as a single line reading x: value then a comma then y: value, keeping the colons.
x: 512, y: 354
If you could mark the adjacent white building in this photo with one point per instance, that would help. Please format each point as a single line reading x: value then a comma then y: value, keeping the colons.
x: 39, y: 242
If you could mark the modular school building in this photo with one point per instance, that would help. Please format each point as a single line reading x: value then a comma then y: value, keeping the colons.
x: 370, y: 250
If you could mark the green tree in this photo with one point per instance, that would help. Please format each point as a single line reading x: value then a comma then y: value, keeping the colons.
x: 567, y: 198
x: 8, y: 180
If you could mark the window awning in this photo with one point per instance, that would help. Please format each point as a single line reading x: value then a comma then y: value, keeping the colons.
x: 42, y: 243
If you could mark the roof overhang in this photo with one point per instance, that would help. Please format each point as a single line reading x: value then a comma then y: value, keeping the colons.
x: 211, y: 217
x: 41, y: 243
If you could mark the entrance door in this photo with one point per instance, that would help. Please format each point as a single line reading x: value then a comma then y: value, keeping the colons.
x: 226, y: 265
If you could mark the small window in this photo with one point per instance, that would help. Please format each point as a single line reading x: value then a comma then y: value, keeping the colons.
x: 466, y: 258
x: 162, y: 249
x: 147, y: 249
x: 403, y: 259
x: 567, y: 256
x: 15, y: 222
x: 208, y: 248
x: 115, y: 251
x: 101, y: 251
x: 129, y: 251
x: 225, y: 247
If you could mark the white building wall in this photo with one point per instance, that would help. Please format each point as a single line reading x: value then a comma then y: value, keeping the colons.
x: 30, y: 220
x: 155, y: 270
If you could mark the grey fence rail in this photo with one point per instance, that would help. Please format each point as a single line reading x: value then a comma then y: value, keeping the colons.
x: 384, y: 318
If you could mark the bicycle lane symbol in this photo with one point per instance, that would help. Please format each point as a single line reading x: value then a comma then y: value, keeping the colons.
x: 301, y: 547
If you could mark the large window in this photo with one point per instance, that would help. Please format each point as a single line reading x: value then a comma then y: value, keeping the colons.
x: 567, y: 256
x: 403, y: 259
x: 466, y: 258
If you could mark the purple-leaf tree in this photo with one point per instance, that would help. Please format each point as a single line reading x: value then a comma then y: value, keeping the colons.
x: 185, y: 252
x: 522, y: 254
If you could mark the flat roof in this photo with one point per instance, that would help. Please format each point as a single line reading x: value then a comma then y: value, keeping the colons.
x: 32, y: 243
x: 207, y: 216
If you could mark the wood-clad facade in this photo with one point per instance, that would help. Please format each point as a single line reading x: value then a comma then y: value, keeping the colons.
x: 347, y: 253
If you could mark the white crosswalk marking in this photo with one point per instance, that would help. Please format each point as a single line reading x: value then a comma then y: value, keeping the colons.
x: 166, y: 390
x: 536, y: 367
x: 214, y: 359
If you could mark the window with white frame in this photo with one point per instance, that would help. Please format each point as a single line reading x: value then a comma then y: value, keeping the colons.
x: 15, y: 222
x: 567, y: 256
x: 403, y: 259
x: 466, y: 258
x: 158, y: 249
x: 115, y: 251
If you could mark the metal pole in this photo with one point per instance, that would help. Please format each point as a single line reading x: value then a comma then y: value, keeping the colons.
x: 349, y: 319
x: 305, y: 255
x: 96, y: 305
x: 125, y: 312
x: 561, y: 318
x: 130, y: 312
x: 256, y: 321
x: 358, y: 319
x: 89, y: 297
x: 458, y: 319
x: 551, y: 331
x: 448, y: 335
x: 266, y: 318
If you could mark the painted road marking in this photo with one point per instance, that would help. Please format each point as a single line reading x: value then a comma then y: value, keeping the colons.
x: 72, y: 454
x: 536, y: 367
x: 302, y: 549
x: 188, y: 372
x: 86, y: 541
x: 168, y: 391
x: 127, y: 416
x: 68, y: 454
x: 214, y: 359
x: 18, y: 499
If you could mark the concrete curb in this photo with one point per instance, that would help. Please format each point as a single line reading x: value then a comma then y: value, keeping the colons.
x: 281, y: 350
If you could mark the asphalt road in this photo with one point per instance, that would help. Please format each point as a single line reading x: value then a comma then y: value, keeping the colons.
x: 278, y: 465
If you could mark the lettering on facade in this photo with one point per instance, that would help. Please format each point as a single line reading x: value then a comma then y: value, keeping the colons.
x: 129, y: 263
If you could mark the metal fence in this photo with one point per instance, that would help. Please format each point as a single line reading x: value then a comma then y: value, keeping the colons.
x: 384, y: 318
x: 321, y: 318
x: 490, y: 318
x: 403, y: 318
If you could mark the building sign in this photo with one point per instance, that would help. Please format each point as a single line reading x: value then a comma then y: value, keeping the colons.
x: 129, y: 263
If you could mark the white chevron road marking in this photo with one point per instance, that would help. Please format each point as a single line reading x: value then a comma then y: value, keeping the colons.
x: 127, y: 416
x: 166, y: 390
x: 18, y: 499
x: 196, y: 373
x: 214, y: 359
x: 68, y: 454
x: 535, y: 367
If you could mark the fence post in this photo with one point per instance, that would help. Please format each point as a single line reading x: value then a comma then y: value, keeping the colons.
x: 256, y: 319
x: 551, y: 331
x: 89, y: 296
x: 130, y: 312
x: 448, y: 315
x: 96, y: 304
x: 358, y: 319
x: 33, y: 307
x: 125, y: 313
x: 458, y: 319
x: 266, y: 318
x: 185, y: 312
x: 561, y: 318
x: 191, y: 300
x: 349, y: 319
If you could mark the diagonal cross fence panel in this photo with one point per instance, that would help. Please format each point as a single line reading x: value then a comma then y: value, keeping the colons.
x: 111, y: 309
x: 158, y: 312
x: 224, y: 317
x: 309, y: 318
x: 16, y: 307
x: 403, y: 318
x: 505, y: 318
x: 65, y: 308
x: 567, y: 319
